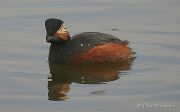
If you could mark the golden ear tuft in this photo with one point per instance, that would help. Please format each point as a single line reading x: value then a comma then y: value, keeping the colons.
x: 63, y: 33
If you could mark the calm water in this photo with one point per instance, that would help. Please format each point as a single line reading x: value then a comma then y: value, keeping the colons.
x: 152, y: 82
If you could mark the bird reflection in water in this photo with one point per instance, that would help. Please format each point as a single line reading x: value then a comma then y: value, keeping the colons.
x: 63, y: 75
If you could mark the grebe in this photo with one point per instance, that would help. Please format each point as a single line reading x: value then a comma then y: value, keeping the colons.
x: 86, y: 47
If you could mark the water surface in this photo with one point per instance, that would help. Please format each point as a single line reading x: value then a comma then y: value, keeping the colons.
x: 151, y: 26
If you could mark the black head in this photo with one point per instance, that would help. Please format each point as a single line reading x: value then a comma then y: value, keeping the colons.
x: 56, y: 31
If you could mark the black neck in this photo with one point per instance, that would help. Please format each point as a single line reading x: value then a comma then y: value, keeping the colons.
x: 56, y: 52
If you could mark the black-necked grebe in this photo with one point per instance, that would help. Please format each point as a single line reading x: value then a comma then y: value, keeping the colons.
x: 87, y: 47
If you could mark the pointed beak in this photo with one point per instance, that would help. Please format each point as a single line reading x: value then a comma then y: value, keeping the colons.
x: 51, y: 39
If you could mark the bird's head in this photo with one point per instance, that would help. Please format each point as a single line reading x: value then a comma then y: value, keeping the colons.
x: 56, y: 32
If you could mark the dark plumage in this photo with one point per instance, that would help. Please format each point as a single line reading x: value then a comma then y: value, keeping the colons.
x: 87, y: 47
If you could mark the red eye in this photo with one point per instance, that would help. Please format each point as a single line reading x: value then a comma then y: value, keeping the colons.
x: 56, y: 34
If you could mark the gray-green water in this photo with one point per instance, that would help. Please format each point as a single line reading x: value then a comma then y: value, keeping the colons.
x: 151, y: 26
